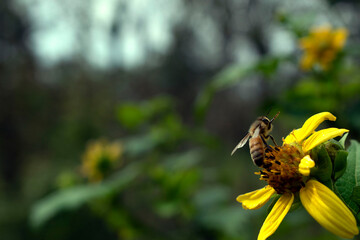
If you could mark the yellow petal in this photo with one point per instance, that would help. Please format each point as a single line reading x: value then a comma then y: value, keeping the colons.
x: 275, y: 217
x: 256, y: 199
x: 305, y: 165
x: 309, y: 127
x: 328, y: 210
x: 321, y: 33
x: 339, y: 38
x: 307, y: 61
x: 322, y: 136
x: 291, y: 137
x: 306, y: 43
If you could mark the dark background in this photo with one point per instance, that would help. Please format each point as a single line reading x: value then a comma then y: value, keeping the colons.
x: 67, y: 68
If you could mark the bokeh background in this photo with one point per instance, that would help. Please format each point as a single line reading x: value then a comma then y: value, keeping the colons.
x: 117, y: 118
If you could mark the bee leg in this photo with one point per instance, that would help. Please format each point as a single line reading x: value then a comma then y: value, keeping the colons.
x: 273, y: 140
x: 265, y: 143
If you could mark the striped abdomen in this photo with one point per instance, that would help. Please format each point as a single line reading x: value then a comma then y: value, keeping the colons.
x: 257, y: 150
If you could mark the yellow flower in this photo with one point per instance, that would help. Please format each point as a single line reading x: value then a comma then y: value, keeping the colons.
x: 321, y: 46
x: 286, y: 169
x: 99, y: 158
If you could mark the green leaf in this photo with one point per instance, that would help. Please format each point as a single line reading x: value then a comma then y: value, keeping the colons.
x: 340, y: 164
x: 72, y: 198
x: 158, y: 105
x: 203, y: 102
x: 230, y: 76
x: 211, y: 197
x: 167, y: 209
x: 183, y: 160
x: 140, y: 144
x: 268, y: 66
x: 130, y: 115
x: 351, y: 178
x: 355, y: 196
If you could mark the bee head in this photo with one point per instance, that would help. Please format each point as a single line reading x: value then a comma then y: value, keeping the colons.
x: 267, y: 123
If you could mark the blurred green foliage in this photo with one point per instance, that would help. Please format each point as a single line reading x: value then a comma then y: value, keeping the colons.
x: 162, y: 176
x: 74, y: 197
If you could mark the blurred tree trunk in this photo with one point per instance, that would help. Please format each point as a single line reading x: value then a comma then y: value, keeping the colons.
x: 16, y: 69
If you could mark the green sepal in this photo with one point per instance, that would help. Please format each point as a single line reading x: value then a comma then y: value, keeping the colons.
x: 343, y: 140
x: 332, y: 147
x: 323, y: 168
x: 337, y: 145
x: 340, y: 163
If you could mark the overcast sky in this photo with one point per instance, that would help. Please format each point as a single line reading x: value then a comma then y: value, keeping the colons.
x: 67, y: 29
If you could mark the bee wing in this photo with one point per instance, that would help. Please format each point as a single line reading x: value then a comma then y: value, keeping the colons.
x: 241, y: 143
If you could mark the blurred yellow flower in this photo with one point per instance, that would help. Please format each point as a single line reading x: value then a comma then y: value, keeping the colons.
x: 321, y: 47
x: 286, y: 169
x: 100, y: 158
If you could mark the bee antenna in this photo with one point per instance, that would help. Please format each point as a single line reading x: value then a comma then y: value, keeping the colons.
x: 275, y: 117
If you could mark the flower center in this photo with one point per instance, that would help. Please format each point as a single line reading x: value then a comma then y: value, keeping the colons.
x: 281, y: 168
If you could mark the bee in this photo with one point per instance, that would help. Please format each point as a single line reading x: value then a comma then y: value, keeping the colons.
x: 258, y: 134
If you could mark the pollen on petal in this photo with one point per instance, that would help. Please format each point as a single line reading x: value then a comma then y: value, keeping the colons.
x: 321, y: 137
x: 275, y: 217
x: 256, y: 199
x: 328, y: 210
x: 305, y: 165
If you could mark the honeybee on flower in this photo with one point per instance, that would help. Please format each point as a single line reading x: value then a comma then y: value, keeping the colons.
x: 287, y: 170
